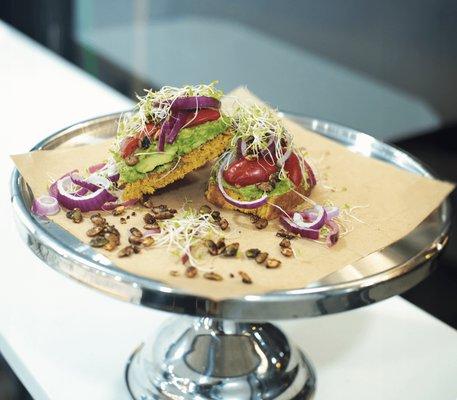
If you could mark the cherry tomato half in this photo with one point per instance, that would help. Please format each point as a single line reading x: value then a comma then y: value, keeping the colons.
x: 292, y: 167
x: 244, y: 172
x: 129, y: 145
x: 203, y: 115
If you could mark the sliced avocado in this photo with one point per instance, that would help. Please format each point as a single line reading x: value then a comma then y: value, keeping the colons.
x: 151, y: 161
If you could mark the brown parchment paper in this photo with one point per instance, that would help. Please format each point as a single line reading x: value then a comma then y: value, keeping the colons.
x: 397, y: 202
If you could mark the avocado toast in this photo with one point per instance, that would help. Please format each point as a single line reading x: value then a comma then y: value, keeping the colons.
x: 262, y: 173
x: 171, y: 132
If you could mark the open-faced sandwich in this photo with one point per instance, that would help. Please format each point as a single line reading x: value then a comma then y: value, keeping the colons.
x: 262, y: 173
x: 171, y: 132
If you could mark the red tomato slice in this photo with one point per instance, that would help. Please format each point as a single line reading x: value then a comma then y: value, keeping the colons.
x: 292, y: 167
x: 149, y: 130
x: 129, y: 145
x: 244, y: 172
x: 203, y: 115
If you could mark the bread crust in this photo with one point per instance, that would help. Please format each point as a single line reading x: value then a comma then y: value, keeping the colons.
x: 287, y: 201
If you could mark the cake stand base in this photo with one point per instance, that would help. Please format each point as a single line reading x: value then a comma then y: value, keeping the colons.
x: 219, y: 359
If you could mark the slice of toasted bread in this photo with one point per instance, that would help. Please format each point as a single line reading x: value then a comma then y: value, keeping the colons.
x: 287, y: 201
x: 189, y: 162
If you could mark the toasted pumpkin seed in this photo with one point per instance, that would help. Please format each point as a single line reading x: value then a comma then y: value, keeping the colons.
x: 245, y: 278
x: 231, y: 250
x: 262, y: 223
x: 212, y: 276
x: 261, y: 257
x: 273, y: 263
x: 96, y: 230
x: 287, y: 252
x: 252, y: 253
x: 125, y: 252
x: 191, y: 272
x: 98, y: 241
x: 148, y: 241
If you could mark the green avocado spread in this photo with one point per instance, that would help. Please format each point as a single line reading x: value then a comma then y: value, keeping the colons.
x: 150, y: 160
x: 251, y: 192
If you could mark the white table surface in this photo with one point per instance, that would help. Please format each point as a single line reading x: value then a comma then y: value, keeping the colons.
x: 66, y: 341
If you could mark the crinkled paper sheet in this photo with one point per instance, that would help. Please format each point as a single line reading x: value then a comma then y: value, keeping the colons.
x: 397, y: 201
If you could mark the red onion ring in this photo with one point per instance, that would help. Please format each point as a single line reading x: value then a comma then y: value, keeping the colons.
x: 90, y: 202
x: 315, y: 220
x: 334, y: 234
x: 195, y: 103
x: 180, y: 121
x: 45, y: 205
x: 164, y: 132
x: 53, y: 188
x: 96, y: 167
x: 308, y: 233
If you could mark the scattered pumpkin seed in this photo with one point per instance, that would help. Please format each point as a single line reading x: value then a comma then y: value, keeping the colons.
x: 75, y: 215
x: 212, y: 248
x: 285, y: 234
x: 252, y: 253
x: 98, y: 241
x: 284, y: 243
x: 204, y: 209
x: 287, y: 251
x: 262, y: 223
x: 97, y: 219
x: 191, y: 272
x: 216, y: 215
x: 135, y: 240
x: 261, y: 257
x: 150, y: 227
x: 223, y: 224
x: 231, y: 250
x: 212, y: 276
x: 164, y: 215
x: 148, y: 241
x: 125, y: 252
x: 123, y: 220
x: 245, y: 278
x: 119, y: 210
x: 96, y: 230
x: 273, y: 263
x: 136, y: 232
x: 149, y: 219
x: 174, y: 273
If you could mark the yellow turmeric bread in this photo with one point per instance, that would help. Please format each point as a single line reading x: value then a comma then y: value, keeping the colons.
x: 189, y: 162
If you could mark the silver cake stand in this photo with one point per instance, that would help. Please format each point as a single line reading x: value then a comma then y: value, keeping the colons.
x: 228, y: 350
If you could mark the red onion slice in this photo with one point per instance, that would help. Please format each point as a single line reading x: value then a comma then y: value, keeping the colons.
x: 164, y: 132
x: 180, y: 121
x: 45, y: 205
x: 334, y: 234
x: 96, y: 167
x: 90, y: 202
x: 237, y: 203
x: 308, y: 233
x: 318, y: 218
x: 53, y: 188
x: 195, y: 103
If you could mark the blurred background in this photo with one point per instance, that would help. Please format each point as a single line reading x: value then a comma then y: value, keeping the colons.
x: 387, y: 68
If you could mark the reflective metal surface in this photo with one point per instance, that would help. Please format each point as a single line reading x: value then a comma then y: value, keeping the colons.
x: 376, y: 277
x: 213, y: 359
